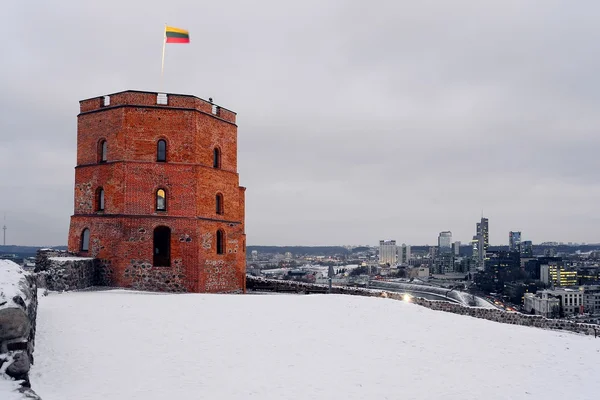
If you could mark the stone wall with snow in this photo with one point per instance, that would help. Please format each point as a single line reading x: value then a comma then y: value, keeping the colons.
x: 60, y: 270
x: 18, y: 312
x: 491, y: 314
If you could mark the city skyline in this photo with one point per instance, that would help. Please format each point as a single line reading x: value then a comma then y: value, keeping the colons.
x: 429, y: 113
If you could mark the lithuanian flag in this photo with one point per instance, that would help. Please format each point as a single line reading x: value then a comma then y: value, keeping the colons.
x: 176, y: 35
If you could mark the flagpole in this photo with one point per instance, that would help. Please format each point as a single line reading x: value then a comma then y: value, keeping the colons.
x: 162, y: 67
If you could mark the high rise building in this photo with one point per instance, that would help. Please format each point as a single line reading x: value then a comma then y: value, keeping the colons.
x: 483, y: 240
x: 514, y: 241
x: 526, y: 249
x: 445, y: 242
x: 387, y: 252
x: 483, y: 231
x: 405, y: 253
x: 475, y: 245
x: 456, y: 248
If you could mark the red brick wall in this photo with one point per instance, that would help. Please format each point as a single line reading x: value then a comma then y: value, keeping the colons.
x: 122, y: 234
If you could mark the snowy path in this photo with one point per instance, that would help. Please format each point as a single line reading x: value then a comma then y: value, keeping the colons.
x: 128, y: 345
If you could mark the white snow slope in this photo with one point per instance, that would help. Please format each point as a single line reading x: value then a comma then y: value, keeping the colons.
x: 131, y: 345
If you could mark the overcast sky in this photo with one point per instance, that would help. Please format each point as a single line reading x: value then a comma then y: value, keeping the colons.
x: 358, y: 121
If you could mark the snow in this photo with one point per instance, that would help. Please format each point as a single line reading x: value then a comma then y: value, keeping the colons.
x: 130, y: 345
x: 10, y: 276
x: 8, y: 389
x: 69, y: 258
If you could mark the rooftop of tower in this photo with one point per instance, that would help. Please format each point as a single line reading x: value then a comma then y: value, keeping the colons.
x: 137, y: 98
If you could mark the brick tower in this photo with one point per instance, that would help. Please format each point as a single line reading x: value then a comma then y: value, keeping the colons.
x: 157, y: 195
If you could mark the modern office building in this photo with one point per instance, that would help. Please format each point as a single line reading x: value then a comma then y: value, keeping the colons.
x: 456, y: 248
x: 445, y: 242
x: 514, y: 241
x: 483, y: 230
x: 555, y: 274
x: 526, y: 249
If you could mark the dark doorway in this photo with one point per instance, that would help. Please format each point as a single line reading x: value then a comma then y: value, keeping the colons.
x: 162, y: 246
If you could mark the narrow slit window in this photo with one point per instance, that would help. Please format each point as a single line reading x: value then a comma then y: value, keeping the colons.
x: 220, y: 242
x: 216, y: 158
x: 219, y: 203
x: 100, y: 199
x: 161, y: 200
x: 161, y: 151
x: 102, y: 151
x: 85, y: 240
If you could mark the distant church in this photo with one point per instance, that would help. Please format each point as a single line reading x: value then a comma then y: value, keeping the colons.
x: 157, y: 195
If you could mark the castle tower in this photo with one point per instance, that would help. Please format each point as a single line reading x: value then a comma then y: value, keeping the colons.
x: 157, y: 195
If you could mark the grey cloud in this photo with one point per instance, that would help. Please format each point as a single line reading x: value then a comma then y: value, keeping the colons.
x: 357, y: 121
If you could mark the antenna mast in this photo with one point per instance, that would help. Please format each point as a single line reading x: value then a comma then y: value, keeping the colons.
x: 4, y: 229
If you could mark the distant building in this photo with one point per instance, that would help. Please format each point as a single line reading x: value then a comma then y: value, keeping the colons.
x: 404, y: 254
x: 418, y: 272
x: 483, y: 230
x: 475, y: 245
x: 445, y: 242
x: 254, y: 255
x: 551, y: 252
x: 287, y: 256
x: 526, y: 249
x: 456, y: 248
x: 482, y: 239
x: 514, y: 241
x: 387, y: 252
x: 542, y: 304
x: 504, y: 263
x: 571, y: 300
x: 555, y: 274
x: 445, y: 263
x: 591, y: 299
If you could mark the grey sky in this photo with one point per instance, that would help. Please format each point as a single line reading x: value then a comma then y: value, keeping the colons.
x: 358, y: 121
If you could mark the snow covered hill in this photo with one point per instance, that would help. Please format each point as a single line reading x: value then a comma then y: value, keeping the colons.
x: 130, y: 345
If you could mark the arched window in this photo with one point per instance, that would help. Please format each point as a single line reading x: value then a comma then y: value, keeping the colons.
x: 219, y: 203
x: 216, y: 158
x: 102, y: 151
x: 161, y: 200
x: 100, y: 199
x: 161, y: 151
x: 85, y: 240
x: 162, y: 246
x: 220, y: 242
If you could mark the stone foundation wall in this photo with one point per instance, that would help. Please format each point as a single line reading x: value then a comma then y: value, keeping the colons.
x: 496, y: 315
x: 18, y: 312
x: 59, y: 270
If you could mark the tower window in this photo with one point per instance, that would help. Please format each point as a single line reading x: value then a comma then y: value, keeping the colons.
x: 85, y: 240
x: 102, y: 151
x: 100, y: 199
x: 219, y: 203
x: 216, y: 158
x: 161, y: 200
x: 162, y: 246
x: 161, y: 151
x: 220, y: 242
